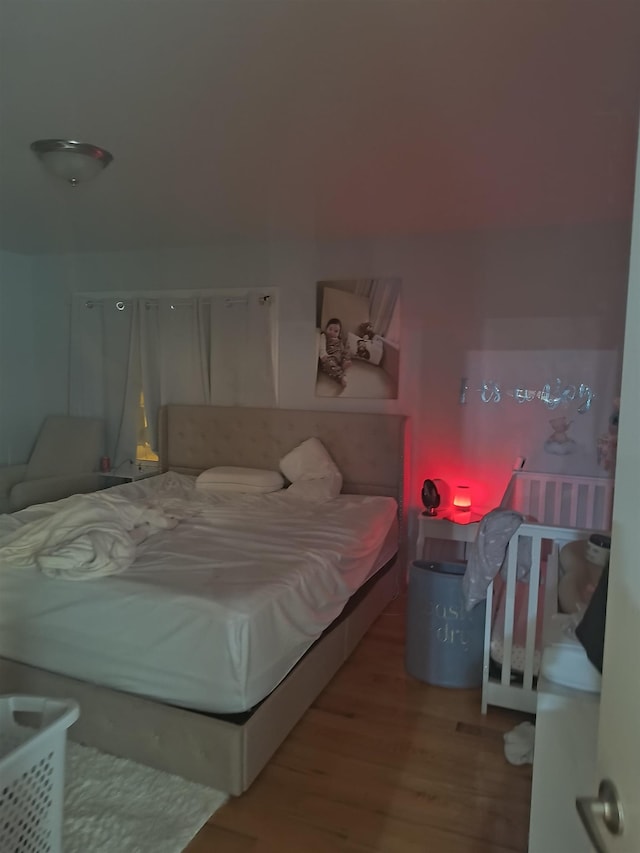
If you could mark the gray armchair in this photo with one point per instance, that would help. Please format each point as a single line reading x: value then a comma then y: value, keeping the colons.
x: 64, y: 462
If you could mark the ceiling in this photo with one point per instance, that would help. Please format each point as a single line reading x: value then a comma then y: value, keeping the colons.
x: 330, y: 118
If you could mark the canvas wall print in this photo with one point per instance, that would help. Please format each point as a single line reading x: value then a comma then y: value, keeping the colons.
x: 358, y: 338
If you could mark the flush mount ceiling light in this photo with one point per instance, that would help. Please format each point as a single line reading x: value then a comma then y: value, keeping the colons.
x: 74, y: 162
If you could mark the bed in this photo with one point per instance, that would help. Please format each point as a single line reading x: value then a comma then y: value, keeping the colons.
x: 520, y: 613
x: 222, y: 733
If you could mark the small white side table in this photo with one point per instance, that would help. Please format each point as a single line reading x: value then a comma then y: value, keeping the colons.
x: 129, y: 473
x: 433, y: 528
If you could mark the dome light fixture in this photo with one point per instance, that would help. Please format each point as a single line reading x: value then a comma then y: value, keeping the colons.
x: 74, y: 162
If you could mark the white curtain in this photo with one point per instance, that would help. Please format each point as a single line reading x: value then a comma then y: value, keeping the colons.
x: 173, y: 349
x: 241, y: 356
x: 382, y: 302
x: 104, y: 371
x: 207, y: 349
x: 383, y: 295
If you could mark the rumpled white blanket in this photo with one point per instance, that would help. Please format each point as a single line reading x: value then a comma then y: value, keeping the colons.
x: 82, y: 537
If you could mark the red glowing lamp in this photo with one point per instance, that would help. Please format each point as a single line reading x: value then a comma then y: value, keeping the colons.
x: 461, y: 513
x: 462, y: 499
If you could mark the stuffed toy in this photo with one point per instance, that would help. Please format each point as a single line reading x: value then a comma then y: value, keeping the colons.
x: 365, y: 331
x: 361, y: 350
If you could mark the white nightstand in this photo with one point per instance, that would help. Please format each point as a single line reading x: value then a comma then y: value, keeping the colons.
x: 436, y: 528
x: 129, y: 472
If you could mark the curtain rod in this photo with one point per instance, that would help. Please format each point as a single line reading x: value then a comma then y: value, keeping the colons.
x: 121, y: 304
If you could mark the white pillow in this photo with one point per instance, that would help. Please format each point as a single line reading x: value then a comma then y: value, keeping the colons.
x: 367, y: 350
x: 233, y: 479
x: 313, y: 491
x: 311, y: 461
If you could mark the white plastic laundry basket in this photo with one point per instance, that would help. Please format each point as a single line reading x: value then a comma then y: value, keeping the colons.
x: 33, y: 734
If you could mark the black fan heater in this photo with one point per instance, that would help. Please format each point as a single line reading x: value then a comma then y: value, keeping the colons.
x: 430, y: 497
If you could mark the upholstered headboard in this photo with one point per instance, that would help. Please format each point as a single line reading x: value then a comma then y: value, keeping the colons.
x: 367, y: 448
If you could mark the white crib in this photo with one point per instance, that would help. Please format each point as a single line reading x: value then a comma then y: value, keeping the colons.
x: 566, y: 508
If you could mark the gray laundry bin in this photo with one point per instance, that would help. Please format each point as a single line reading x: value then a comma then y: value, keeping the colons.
x: 445, y: 642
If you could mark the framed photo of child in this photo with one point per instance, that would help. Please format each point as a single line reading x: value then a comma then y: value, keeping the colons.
x: 358, y: 338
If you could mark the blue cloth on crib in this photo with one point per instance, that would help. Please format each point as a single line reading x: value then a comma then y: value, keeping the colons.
x: 487, y: 554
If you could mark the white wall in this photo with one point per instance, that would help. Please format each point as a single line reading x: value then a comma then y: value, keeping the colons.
x: 460, y: 292
x: 32, y: 356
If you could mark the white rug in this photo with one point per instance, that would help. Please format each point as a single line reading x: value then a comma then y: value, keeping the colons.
x: 113, y: 805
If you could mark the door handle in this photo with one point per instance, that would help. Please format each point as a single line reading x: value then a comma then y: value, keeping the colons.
x: 605, y: 809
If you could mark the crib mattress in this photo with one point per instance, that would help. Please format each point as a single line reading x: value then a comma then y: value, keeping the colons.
x: 517, y: 657
x: 213, y: 614
x: 564, y: 659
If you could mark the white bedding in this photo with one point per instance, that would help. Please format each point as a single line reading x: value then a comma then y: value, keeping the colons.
x: 85, y: 536
x: 209, y: 616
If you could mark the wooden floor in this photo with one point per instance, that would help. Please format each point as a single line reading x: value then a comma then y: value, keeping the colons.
x: 383, y: 762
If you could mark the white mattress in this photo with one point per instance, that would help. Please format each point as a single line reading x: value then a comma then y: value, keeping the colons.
x: 565, y: 660
x: 213, y: 614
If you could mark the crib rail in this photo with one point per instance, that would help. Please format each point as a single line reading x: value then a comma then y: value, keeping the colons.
x: 563, y: 509
x: 545, y: 543
x: 561, y: 500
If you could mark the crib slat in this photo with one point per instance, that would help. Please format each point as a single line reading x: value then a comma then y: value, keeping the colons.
x: 538, y: 511
x: 591, y: 500
x: 543, y: 499
x: 605, y: 507
x: 551, y: 589
x: 526, y: 502
x: 574, y: 493
x: 487, y: 648
x: 532, y: 610
x: 557, y: 502
x: 509, y: 608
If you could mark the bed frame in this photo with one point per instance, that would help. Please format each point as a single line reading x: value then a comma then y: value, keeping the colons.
x: 567, y: 508
x: 228, y: 752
